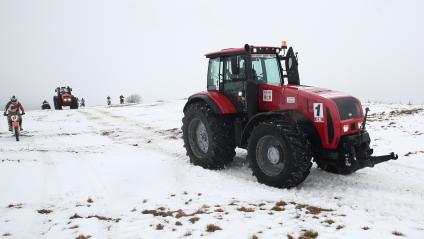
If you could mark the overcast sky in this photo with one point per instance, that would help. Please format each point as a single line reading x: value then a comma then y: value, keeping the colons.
x: 371, y: 49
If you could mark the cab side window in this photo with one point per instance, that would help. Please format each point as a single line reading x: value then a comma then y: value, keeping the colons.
x: 214, y: 73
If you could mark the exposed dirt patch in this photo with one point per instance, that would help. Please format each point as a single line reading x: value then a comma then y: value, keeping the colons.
x: 173, y: 133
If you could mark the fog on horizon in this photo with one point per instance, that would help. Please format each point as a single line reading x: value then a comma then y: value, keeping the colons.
x: 370, y: 49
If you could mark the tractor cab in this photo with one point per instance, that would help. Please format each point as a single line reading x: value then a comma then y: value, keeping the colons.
x: 239, y: 72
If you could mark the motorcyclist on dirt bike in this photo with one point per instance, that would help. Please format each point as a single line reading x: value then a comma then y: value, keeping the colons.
x: 14, y: 107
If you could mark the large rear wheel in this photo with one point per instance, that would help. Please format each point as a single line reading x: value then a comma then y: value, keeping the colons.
x: 208, y: 137
x: 279, y: 153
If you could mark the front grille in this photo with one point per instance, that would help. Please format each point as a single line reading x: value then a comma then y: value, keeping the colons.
x: 348, y: 108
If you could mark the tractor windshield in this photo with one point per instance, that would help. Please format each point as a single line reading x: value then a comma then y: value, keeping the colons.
x: 266, y: 68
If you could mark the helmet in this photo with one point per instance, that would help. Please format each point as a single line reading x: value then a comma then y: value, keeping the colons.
x: 13, y: 99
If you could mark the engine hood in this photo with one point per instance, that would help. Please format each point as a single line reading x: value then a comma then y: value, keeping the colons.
x: 321, y: 92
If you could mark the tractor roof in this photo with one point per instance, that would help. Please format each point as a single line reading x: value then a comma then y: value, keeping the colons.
x: 238, y: 51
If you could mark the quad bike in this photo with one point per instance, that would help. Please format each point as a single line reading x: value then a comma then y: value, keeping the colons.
x: 254, y: 100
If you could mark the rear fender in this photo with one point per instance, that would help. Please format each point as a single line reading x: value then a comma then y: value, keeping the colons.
x: 219, y: 103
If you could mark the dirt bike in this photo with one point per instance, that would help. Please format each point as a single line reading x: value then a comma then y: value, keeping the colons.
x: 15, y: 126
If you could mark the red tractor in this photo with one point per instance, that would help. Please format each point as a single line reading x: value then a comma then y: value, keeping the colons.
x: 64, y: 97
x: 254, y: 101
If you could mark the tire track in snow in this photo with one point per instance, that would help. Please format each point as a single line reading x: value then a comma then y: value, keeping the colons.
x: 126, y: 131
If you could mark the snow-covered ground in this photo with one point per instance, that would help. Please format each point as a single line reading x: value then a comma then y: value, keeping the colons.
x: 122, y: 172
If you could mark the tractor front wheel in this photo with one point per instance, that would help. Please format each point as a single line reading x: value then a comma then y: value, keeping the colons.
x: 208, y: 137
x: 279, y: 153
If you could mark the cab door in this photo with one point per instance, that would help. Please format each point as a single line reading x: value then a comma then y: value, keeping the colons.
x: 234, y: 79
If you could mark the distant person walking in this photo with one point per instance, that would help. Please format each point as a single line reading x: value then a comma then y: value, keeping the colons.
x: 108, y: 101
x: 82, y: 104
x: 14, y: 107
x: 121, y: 99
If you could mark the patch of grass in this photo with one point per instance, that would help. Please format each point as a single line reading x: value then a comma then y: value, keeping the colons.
x: 75, y: 216
x: 277, y: 208
x: 44, y: 211
x: 187, y: 234
x: 103, y: 218
x: 83, y: 237
x: 308, y: 234
x: 89, y: 200
x: 254, y: 237
x: 194, y: 219
x: 329, y: 221
x: 289, y: 236
x: 6, y: 235
x: 157, y: 213
x: 74, y: 227
x: 219, y: 210
x: 180, y: 213
x: 365, y: 228
x: 339, y: 227
x: 280, y: 203
x: 17, y: 205
x: 159, y: 227
x: 212, y: 228
x: 178, y: 223
x: 398, y: 233
x: 245, y: 209
x: 312, y: 209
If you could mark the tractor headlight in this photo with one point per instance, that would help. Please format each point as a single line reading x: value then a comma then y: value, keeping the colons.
x: 345, y: 128
x: 359, y: 125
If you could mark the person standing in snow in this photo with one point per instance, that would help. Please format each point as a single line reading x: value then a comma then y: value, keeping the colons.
x: 14, y: 107
x: 121, y: 99
x: 82, y: 102
x: 108, y: 100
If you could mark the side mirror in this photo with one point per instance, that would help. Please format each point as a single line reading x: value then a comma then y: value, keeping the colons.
x: 292, y: 67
